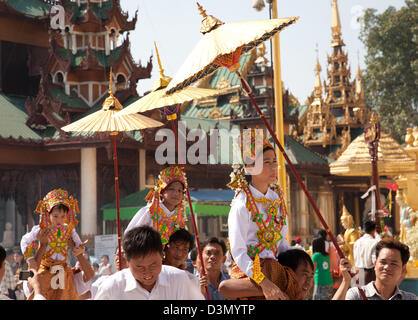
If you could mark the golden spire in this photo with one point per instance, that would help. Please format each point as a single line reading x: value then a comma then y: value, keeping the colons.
x: 163, y: 81
x: 111, y: 101
x: 336, y: 25
x: 159, y: 61
x: 209, y: 22
x: 318, y: 87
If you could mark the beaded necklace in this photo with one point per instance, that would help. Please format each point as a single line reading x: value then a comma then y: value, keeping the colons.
x: 166, y: 226
x: 269, y: 229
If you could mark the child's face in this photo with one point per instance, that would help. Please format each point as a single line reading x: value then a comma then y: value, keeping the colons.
x: 57, y: 217
x: 173, y: 194
x: 269, y: 172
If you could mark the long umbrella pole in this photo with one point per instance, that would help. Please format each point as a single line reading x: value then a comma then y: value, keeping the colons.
x: 115, y: 162
x: 199, y: 249
x: 292, y: 168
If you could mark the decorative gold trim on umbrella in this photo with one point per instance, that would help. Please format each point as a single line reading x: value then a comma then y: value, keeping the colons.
x: 158, y: 99
x: 220, y: 40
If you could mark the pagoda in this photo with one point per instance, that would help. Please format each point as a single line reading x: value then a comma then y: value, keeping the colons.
x: 336, y: 112
x: 83, y: 44
x: 55, y: 60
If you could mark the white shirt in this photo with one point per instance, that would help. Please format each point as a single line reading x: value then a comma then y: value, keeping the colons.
x: 172, y: 284
x: 364, y: 251
x: 105, y: 269
x: 31, y: 236
x: 143, y: 217
x: 242, y: 230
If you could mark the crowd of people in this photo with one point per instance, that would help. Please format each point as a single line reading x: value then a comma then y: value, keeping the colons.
x: 159, y: 259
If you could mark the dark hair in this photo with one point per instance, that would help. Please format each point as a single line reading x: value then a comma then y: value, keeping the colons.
x: 141, y: 241
x: 107, y: 257
x: 369, y: 226
x: 193, y: 254
x: 318, y: 245
x: 216, y: 241
x: 184, y: 236
x: 60, y: 207
x: 95, y: 264
x: 2, y: 255
x: 394, y: 244
x: 322, y: 233
x: 293, y: 258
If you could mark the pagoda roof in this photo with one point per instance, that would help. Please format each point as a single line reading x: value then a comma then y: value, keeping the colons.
x: 87, y: 57
x: 100, y: 14
x: 299, y: 154
x: 37, y: 9
x: 14, y: 130
x: 355, y: 160
x: 13, y: 118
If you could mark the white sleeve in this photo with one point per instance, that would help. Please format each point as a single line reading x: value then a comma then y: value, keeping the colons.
x: 28, y: 238
x: 238, y: 225
x: 76, y: 238
x: 105, y: 290
x: 189, y: 290
x: 141, y: 218
x: 81, y: 286
x: 39, y: 297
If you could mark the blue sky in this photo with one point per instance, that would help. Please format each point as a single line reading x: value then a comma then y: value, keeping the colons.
x: 175, y: 24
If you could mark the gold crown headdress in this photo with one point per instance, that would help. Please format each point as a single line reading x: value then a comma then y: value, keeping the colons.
x: 252, y: 142
x: 54, y: 198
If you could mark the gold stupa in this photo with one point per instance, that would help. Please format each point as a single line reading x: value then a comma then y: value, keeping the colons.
x: 355, y: 160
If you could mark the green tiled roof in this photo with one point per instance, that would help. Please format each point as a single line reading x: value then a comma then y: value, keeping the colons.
x: 98, y: 9
x: 13, y: 118
x: 299, y: 154
x: 194, y: 110
x: 100, y: 55
x: 300, y: 109
x: 228, y: 75
x: 33, y: 8
x: 71, y: 102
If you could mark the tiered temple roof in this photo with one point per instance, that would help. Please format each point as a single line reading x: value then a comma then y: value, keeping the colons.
x: 337, y: 112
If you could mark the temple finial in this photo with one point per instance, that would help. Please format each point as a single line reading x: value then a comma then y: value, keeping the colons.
x: 110, y: 82
x: 202, y: 11
x: 159, y: 61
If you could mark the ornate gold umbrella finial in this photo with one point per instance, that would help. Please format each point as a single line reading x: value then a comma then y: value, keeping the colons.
x: 163, y: 81
x: 111, y: 101
x: 209, y: 22
x: 202, y: 11
x: 159, y: 61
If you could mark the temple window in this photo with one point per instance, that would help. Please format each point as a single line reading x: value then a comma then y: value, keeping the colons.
x: 121, y: 81
x: 59, y: 78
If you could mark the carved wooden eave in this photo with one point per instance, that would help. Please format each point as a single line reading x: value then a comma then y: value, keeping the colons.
x: 121, y: 17
x: 138, y: 71
x: 44, y: 109
x: 89, y: 61
x: 65, y: 63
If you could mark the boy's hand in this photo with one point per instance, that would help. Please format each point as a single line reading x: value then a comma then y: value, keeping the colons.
x: 43, y: 236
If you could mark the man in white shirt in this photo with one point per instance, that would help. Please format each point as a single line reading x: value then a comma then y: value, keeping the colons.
x: 365, y: 253
x: 146, y: 278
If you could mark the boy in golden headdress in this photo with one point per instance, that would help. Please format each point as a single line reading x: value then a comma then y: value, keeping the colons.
x: 165, y: 208
x: 45, y: 247
x: 257, y: 226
